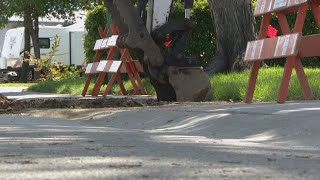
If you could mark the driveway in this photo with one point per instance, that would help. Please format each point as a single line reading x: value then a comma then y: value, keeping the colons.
x: 181, y: 141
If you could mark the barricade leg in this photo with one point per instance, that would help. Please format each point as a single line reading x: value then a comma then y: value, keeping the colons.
x: 122, y: 88
x: 99, y: 82
x: 131, y: 77
x: 124, y: 56
x: 293, y: 62
x: 252, y: 81
x: 303, y: 80
x: 286, y: 79
x: 109, y: 85
x: 256, y: 64
x: 86, y: 86
x: 136, y: 75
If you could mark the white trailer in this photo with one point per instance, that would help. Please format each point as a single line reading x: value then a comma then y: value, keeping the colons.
x: 70, y: 51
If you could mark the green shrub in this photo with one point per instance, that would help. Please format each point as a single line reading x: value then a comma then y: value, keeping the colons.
x: 50, y: 69
x: 98, y: 17
x: 201, y: 44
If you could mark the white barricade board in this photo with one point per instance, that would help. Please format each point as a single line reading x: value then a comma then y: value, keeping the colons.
x: 269, y: 6
x: 273, y: 48
x: 279, y: 4
x: 104, y: 44
x: 98, y: 44
x: 92, y: 68
x: 296, y: 2
x: 109, y: 66
x: 112, y: 42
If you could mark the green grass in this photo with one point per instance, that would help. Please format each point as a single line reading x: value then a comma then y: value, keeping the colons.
x: 67, y: 86
x: 75, y: 87
x: 232, y: 87
x: 225, y: 87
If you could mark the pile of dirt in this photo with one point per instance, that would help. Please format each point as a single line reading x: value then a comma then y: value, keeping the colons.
x: 88, y: 103
x: 8, y: 106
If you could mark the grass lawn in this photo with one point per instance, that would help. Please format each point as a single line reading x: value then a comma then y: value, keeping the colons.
x: 225, y: 87
x: 75, y: 86
x: 232, y: 87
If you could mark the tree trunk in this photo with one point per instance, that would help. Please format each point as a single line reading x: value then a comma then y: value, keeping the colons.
x: 27, y: 47
x: 34, y: 32
x: 234, y: 24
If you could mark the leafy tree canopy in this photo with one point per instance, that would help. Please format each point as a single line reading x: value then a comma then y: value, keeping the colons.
x: 41, y: 8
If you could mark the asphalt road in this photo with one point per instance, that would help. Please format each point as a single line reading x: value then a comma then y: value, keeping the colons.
x: 183, y: 141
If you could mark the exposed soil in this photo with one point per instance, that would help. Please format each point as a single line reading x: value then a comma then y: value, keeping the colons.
x: 8, y: 106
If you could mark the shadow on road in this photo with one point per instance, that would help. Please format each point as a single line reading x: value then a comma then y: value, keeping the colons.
x: 259, y: 141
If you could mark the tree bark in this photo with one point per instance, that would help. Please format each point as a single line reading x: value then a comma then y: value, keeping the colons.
x: 234, y: 24
x: 27, y: 47
x: 34, y: 32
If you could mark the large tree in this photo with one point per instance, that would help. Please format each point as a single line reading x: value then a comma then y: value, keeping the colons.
x: 31, y: 11
x: 234, y: 25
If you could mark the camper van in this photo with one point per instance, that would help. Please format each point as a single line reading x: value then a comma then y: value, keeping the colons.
x: 70, y: 51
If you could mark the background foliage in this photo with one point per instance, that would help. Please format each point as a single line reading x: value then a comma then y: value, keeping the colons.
x: 201, y: 44
x: 53, y: 70
x: 202, y: 41
x: 98, y: 17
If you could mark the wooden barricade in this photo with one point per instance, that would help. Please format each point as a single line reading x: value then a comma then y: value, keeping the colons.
x: 124, y: 65
x: 292, y: 45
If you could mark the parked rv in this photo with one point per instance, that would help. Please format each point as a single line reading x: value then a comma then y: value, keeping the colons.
x: 70, y: 51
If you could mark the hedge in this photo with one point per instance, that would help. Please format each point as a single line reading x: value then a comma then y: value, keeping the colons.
x: 96, y: 18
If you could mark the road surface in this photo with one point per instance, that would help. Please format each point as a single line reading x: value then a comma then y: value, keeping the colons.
x: 181, y: 141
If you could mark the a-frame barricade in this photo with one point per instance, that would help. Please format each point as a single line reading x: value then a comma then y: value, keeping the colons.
x: 292, y: 45
x: 124, y: 65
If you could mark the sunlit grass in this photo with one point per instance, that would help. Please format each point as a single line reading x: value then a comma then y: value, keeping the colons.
x: 75, y: 87
x: 232, y: 87
x: 225, y: 87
